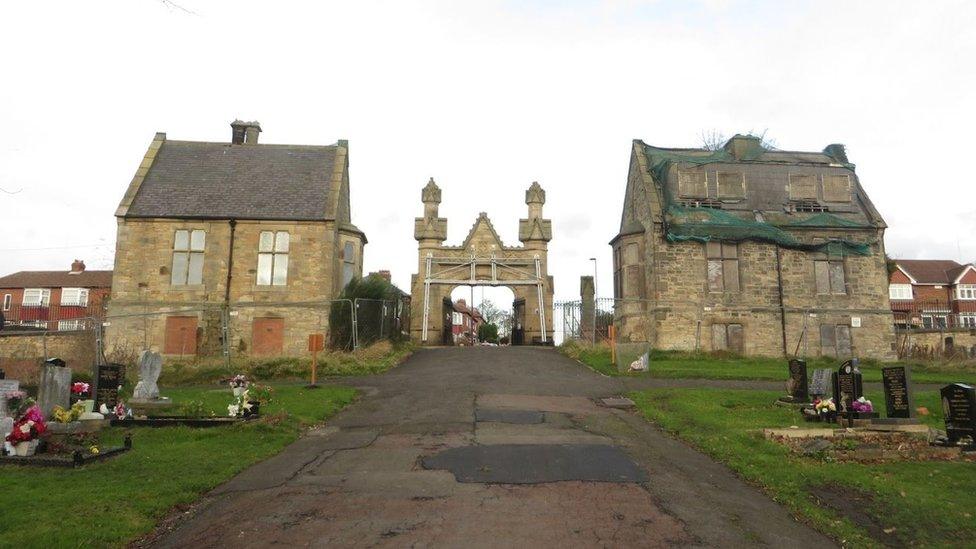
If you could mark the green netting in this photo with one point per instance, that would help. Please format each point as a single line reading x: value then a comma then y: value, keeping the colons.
x: 706, y: 224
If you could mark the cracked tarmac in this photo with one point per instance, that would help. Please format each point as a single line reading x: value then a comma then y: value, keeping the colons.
x: 498, y: 416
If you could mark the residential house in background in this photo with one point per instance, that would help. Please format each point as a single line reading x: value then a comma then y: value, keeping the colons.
x: 257, y: 237
x: 54, y: 300
x: 465, y: 322
x: 751, y: 250
x: 933, y: 294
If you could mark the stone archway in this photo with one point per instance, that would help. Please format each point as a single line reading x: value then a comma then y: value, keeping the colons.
x: 482, y: 260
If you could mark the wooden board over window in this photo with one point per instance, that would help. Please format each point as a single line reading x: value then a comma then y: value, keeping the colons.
x: 728, y: 337
x: 267, y: 336
x: 692, y: 185
x: 835, y: 340
x: 731, y: 185
x: 803, y: 187
x: 181, y: 335
x: 837, y: 188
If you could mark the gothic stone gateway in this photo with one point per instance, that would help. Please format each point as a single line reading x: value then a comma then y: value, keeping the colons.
x: 482, y: 260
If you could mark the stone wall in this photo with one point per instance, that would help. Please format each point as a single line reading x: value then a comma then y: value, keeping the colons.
x: 932, y: 343
x: 21, y: 355
x: 142, y: 283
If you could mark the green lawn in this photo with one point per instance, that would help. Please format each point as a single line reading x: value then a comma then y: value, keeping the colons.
x: 927, y: 503
x: 115, y: 501
x: 675, y: 365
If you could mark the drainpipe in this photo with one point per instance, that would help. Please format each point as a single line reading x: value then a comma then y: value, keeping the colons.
x: 782, y: 305
x: 225, y: 320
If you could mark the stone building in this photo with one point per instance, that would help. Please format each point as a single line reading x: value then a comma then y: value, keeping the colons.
x: 753, y: 251
x: 259, y: 235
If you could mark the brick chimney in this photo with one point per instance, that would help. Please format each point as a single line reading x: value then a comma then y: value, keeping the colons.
x: 77, y: 267
x: 244, y: 132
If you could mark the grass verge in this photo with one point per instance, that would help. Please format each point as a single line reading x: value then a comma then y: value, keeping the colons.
x: 113, y: 502
x: 681, y: 365
x: 904, y: 503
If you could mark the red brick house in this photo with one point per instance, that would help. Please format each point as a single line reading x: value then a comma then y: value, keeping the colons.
x: 933, y: 294
x: 54, y: 300
x: 466, y: 321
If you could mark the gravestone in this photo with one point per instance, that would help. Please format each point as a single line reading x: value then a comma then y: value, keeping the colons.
x: 897, y: 381
x: 797, y: 383
x: 848, y: 387
x: 55, y: 387
x: 108, y: 378
x: 820, y: 383
x: 959, y: 410
x: 150, y: 366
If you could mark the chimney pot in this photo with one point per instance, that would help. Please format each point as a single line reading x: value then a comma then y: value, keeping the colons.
x: 77, y: 266
x: 244, y: 132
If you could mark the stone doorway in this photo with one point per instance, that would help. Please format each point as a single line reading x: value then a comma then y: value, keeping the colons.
x: 482, y: 260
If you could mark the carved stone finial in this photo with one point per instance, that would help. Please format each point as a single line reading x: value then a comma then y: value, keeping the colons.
x: 535, y: 194
x: 431, y: 193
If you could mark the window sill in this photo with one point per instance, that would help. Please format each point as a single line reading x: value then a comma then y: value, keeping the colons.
x: 269, y: 288
x: 186, y: 288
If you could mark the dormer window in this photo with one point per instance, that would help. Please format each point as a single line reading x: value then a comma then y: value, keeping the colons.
x: 692, y: 185
x: 803, y: 187
x: 837, y: 188
x: 731, y: 186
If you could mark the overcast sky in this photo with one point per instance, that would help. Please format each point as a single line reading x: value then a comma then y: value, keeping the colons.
x: 486, y: 97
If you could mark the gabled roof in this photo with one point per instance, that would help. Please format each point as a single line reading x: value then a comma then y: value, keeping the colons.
x: 200, y: 180
x: 931, y: 271
x: 482, y: 221
x: 57, y: 279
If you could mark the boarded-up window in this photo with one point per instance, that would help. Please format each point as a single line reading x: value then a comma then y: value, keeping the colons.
x: 728, y: 337
x: 829, y: 276
x: 267, y: 336
x: 803, y: 187
x: 181, y: 335
x: 723, y: 266
x: 731, y: 185
x: 348, y: 263
x: 692, y: 185
x: 837, y: 188
x: 835, y: 340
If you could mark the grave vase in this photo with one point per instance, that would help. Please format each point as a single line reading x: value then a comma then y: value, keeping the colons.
x: 24, y: 449
x: 88, y: 404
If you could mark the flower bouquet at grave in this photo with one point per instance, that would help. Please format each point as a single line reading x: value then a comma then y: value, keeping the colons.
x: 17, y: 403
x: 238, y: 384
x: 247, y: 404
x: 80, y: 392
x: 27, y: 432
x: 862, y: 405
x: 60, y: 415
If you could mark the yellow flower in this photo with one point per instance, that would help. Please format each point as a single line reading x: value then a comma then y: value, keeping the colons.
x: 93, y: 450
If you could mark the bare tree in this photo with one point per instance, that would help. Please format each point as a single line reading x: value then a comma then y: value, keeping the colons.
x: 713, y: 140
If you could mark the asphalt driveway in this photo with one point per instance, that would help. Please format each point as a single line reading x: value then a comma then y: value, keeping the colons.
x: 479, y: 447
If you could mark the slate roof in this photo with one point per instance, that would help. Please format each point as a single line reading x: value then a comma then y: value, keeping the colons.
x: 57, y: 279
x: 190, y: 179
x: 932, y: 271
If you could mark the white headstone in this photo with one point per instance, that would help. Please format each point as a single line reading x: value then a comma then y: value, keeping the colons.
x: 150, y: 366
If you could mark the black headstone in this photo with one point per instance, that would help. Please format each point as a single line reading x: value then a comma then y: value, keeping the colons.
x: 820, y: 382
x: 897, y: 381
x: 848, y: 386
x: 959, y: 410
x: 798, y: 380
x: 108, y: 377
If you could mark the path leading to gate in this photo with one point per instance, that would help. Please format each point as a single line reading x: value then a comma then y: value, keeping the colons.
x: 480, y: 447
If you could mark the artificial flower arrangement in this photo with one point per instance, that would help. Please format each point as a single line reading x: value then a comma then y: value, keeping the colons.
x: 80, y: 389
x: 27, y: 431
x: 60, y: 415
x: 824, y: 406
x: 121, y: 411
x: 247, y: 403
x: 862, y: 405
x: 238, y: 384
x: 17, y: 402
